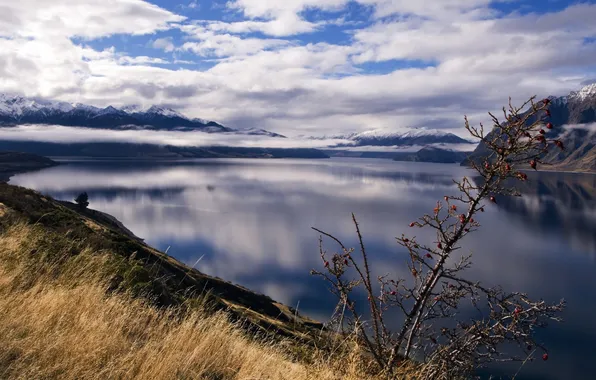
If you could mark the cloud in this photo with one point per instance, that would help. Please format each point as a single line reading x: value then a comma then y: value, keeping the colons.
x: 62, y: 134
x: 210, y: 43
x: 273, y: 9
x: 288, y: 24
x: 140, y: 60
x: 83, y: 18
x: 165, y: 44
x: 193, y: 5
x: 292, y: 67
x: 445, y: 9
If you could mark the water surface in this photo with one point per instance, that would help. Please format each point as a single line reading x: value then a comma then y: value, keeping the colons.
x: 248, y: 221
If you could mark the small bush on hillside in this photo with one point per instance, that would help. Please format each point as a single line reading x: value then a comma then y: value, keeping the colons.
x: 82, y: 200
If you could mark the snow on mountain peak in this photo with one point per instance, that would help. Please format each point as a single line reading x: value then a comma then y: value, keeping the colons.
x: 168, y: 112
x: 586, y: 92
x: 17, y: 105
x: 414, y: 132
x: 132, y: 109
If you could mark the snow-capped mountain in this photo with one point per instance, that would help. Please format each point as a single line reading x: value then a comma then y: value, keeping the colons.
x: 15, y: 109
x: 386, y: 137
x: 586, y: 92
x: 574, y: 118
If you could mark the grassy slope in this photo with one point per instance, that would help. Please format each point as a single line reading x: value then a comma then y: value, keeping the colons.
x: 166, y: 280
x: 100, y: 304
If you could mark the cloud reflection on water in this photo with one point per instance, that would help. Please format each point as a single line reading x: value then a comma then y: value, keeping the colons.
x: 252, y: 219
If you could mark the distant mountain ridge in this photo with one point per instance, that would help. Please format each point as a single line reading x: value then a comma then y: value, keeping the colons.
x: 16, y: 109
x: 433, y: 154
x: 387, y: 137
x: 432, y: 145
x: 574, y: 120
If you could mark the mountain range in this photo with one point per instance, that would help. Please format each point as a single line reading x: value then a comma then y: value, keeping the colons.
x: 574, y: 120
x: 16, y: 109
x: 415, y: 144
x: 19, y: 110
x: 387, y: 137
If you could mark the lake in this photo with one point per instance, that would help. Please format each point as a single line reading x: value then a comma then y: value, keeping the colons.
x: 249, y: 222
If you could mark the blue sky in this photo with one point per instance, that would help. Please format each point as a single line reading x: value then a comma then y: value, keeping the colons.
x: 300, y: 67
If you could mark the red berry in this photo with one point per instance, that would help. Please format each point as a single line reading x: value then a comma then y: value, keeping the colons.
x: 454, y: 207
x: 547, y: 113
x: 471, y: 220
x: 429, y: 256
x: 440, y: 246
x: 549, y: 125
x: 406, y: 240
x: 482, y: 209
x: 542, y: 131
x: 546, y: 101
x: 545, y: 357
x: 493, y: 199
x: 446, y: 199
x: 345, y: 261
x: 533, y: 164
x: 393, y: 292
x: 487, y: 166
x: 507, y: 167
x: 412, y: 224
x: 326, y: 264
x: 437, y: 298
x: 462, y: 218
x: 467, y: 229
x: 414, y: 272
x: 559, y: 144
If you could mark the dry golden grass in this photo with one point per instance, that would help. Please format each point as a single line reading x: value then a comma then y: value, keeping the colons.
x: 62, y: 324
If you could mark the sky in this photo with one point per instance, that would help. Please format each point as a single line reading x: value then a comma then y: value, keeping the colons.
x: 300, y: 67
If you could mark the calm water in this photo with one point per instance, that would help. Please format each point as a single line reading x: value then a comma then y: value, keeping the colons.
x: 250, y: 222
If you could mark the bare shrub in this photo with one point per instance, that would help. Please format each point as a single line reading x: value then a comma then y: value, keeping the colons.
x: 445, y: 346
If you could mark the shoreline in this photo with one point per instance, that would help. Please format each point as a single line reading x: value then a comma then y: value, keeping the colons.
x: 12, y: 163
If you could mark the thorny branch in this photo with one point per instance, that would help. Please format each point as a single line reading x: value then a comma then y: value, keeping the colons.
x: 428, y: 301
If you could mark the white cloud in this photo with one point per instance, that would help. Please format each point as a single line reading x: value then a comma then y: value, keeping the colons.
x: 83, y: 18
x: 209, y: 43
x: 165, y: 44
x: 287, y: 24
x: 260, y: 72
x: 61, y: 134
x: 140, y: 60
x: 492, y: 46
x: 444, y: 9
x: 273, y: 8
